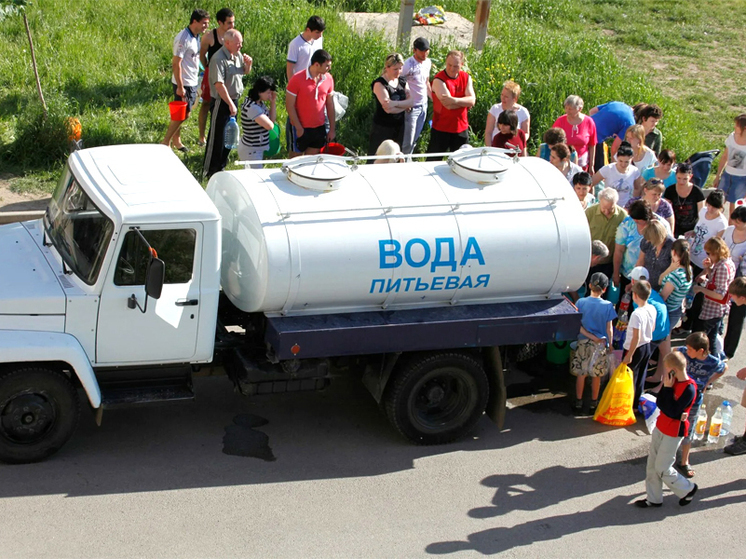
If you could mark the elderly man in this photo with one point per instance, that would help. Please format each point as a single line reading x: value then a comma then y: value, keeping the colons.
x: 603, y: 219
x: 226, y: 68
x: 453, y: 95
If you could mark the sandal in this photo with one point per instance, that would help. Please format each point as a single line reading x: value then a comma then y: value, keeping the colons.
x: 687, y: 470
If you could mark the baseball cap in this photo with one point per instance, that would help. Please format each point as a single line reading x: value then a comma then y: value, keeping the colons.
x: 599, y: 281
x: 420, y: 43
x: 639, y: 273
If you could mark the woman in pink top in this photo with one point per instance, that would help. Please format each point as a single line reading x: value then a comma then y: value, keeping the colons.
x: 580, y: 131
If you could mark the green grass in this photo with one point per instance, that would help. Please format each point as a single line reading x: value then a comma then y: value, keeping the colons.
x: 107, y: 62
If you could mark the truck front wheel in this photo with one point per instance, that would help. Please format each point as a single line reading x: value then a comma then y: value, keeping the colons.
x: 436, y: 398
x: 39, y: 411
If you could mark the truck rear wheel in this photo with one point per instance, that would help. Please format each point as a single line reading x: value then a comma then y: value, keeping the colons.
x: 39, y: 410
x: 437, y: 398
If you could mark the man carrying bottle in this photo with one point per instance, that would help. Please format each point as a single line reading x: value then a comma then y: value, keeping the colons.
x: 226, y: 86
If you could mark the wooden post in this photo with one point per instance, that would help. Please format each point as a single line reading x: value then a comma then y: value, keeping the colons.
x: 406, y: 13
x: 481, y: 19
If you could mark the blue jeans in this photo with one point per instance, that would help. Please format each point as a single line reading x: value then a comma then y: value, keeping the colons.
x: 733, y: 186
x: 414, y: 121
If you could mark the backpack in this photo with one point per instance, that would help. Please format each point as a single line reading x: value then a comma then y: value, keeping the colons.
x: 701, y: 163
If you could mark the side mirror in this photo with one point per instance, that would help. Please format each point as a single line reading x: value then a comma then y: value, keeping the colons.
x: 155, y: 278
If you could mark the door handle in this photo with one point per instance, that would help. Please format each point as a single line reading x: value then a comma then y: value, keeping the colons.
x: 187, y: 303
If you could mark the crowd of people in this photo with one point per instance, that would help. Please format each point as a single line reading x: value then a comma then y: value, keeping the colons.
x: 678, y: 253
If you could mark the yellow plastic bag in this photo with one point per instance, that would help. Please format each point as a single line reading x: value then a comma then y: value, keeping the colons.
x: 615, y: 406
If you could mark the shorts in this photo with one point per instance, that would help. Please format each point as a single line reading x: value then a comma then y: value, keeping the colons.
x: 312, y: 138
x: 190, y: 96
x: 206, y: 97
x: 733, y: 186
x: 581, y: 360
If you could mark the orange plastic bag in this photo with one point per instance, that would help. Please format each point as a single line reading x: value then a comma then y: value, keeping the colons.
x: 615, y: 406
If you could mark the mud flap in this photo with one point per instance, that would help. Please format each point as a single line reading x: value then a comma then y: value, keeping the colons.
x: 493, y: 365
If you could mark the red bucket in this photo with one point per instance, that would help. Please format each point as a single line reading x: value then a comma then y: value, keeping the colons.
x: 178, y: 110
x: 333, y: 148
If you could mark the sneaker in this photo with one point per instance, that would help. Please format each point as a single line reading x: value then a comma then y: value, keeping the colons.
x: 688, y: 497
x: 737, y: 447
x: 645, y: 504
x: 594, y: 405
x: 577, y: 407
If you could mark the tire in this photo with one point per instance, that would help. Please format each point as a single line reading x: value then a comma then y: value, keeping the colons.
x: 39, y: 410
x: 436, y: 398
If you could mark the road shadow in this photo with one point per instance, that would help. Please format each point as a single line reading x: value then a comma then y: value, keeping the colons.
x: 615, y: 512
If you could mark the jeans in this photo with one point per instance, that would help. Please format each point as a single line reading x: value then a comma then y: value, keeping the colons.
x: 414, y: 121
x: 733, y: 186
x: 711, y: 327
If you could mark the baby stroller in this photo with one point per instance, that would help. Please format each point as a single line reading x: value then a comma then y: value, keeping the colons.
x: 701, y: 163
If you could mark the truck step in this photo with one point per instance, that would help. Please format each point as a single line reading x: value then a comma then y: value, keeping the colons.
x: 121, y: 397
x: 280, y: 386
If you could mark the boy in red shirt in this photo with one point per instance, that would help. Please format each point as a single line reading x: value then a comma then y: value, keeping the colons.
x: 675, y: 400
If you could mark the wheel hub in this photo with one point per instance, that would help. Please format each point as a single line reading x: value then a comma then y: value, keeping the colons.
x: 27, y: 417
x: 435, y: 395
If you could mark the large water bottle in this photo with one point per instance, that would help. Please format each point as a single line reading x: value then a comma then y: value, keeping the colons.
x: 231, y: 134
x: 716, y: 425
x: 701, y: 424
x: 727, y: 417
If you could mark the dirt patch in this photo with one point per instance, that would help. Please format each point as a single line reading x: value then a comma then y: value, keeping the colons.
x: 20, y: 202
x: 457, y: 31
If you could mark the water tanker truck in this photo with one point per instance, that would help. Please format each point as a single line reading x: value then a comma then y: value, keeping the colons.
x: 412, y: 276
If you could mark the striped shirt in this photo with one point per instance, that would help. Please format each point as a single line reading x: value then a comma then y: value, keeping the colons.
x: 680, y: 288
x: 254, y: 134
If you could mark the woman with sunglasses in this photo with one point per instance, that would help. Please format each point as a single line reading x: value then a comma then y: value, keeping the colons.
x: 652, y: 193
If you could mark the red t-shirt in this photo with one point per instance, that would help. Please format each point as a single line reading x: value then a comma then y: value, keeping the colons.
x: 517, y: 140
x: 580, y: 136
x: 310, y: 97
x: 451, y: 120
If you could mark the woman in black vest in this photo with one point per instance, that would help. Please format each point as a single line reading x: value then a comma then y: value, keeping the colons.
x: 392, y: 99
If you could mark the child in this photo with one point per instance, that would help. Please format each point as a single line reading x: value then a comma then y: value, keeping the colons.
x: 674, y: 402
x: 509, y: 135
x: 720, y: 273
x: 595, y: 333
x: 704, y: 368
x: 581, y: 182
x: 731, y: 173
x: 639, y: 335
x: 737, y: 292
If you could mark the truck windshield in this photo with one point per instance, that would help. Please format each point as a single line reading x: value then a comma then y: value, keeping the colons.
x: 78, y: 229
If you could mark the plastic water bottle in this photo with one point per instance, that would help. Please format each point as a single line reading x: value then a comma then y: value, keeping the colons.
x: 231, y: 134
x: 715, y: 426
x: 689, y: 299
x: 727, y: 417
x: 701, y: 424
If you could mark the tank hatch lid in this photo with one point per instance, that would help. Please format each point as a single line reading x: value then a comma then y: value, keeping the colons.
x: 318, y: 172
x: 485, y: 165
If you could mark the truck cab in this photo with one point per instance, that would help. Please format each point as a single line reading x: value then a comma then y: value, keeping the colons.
x: 74, y: 286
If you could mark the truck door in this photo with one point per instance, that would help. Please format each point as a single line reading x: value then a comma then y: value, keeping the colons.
x: 167, y: 331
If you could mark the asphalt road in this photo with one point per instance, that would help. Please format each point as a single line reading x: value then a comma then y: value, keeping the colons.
x: 332, y: 479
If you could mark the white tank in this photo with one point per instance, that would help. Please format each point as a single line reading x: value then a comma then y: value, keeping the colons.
x: 322, y: 236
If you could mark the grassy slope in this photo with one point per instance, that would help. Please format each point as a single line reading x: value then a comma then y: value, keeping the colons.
x: 107, y: 62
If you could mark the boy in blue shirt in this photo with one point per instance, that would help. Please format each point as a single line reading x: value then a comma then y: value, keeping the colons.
x: 594, y: 340
x: 704, y: 368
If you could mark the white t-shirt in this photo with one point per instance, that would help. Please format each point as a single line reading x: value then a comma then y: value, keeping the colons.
x: 643, y: 318
x: 624, y: 184
x: 736, y: 157
x: 186, y: 47
x: 300, y: 52
x: 573, y: 170
x: 417, y: 75
x: 704, y: 230
x: 520, y: 111
x: 648, y: 160
x: 737, y: 250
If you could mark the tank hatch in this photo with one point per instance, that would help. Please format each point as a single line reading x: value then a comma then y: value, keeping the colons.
x: 322, y: 173
x: 482, y: 165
